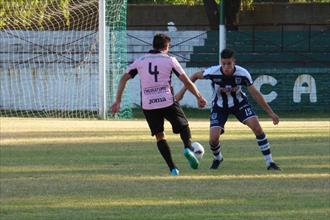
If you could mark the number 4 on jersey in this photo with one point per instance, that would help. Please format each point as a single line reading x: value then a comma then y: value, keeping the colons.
x: 154, y: 72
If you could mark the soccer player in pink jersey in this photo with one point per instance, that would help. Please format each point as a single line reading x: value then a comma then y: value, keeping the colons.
x: 155, y: 71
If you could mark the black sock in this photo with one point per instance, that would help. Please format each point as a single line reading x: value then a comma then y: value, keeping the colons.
x: 165, y: 151
x: 185, y: 135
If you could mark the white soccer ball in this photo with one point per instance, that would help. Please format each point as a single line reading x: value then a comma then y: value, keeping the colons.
x: 198, y: 149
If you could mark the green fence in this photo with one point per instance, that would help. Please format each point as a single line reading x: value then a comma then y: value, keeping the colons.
x: 263, y: 49
x: 290, y: 67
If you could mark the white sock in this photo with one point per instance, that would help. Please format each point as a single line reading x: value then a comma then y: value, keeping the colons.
x: 268, y: 158
x: 218, y: 157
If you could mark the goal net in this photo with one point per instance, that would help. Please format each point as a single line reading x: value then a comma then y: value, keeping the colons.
x: 49, y: 63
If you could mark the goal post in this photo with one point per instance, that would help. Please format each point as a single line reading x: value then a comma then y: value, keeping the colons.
x: 102, y: 62
x: 222, y: 27
x: 112, y: 55
x: 60, y: 59
x: 116, y: 52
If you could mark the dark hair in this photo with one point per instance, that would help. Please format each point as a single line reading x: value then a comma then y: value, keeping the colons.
x: 160, y: 41
x: 227, y: 53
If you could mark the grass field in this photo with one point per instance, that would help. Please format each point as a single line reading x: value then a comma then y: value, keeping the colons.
x: 79, y: 169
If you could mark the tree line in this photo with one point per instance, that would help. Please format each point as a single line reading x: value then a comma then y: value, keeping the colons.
x: 28, y: 14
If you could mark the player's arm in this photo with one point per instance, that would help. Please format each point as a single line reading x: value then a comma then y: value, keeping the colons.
x: 256, y: 95
x: 193, y: 78
x: 188, y: 84
x: 122, y: 84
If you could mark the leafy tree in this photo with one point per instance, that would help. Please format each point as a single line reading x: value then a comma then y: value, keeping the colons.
x: 22, y: 13
x: 171, y: 2
x: 232, y: 8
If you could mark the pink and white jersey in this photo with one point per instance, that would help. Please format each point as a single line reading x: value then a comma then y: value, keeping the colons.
x: 155, y: 70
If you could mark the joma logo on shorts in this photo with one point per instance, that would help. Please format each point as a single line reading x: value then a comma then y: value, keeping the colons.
x: 152, y: 101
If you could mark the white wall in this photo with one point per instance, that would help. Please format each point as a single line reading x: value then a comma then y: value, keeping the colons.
x: 36, y: 73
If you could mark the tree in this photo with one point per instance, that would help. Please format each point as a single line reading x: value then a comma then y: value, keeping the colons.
x: 212, y: 13
x: 231, y: 9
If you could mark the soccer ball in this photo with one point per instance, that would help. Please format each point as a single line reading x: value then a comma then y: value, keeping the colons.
x: 198, y: 149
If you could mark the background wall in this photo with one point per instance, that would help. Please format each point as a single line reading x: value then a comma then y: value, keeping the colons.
x: 287, y: 13
x: 188, y: 17
x: 56, y: 83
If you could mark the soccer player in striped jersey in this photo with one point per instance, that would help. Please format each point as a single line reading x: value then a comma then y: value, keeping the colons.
x: 157, y: 99
x: 227, y: 81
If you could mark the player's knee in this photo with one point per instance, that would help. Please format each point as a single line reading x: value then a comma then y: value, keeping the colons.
x: 257, y: 130
x: 214, y: 137
x: 254, y: 125
x: 160, y: 136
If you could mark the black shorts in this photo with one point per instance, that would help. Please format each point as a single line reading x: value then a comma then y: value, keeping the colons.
x: 173, y: 114
x: 219, y: 116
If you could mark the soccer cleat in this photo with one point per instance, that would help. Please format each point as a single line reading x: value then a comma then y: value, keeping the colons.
x: 215, y: 164
x: 273, y: 166
x: 193, y: 161
x: 175, y: 172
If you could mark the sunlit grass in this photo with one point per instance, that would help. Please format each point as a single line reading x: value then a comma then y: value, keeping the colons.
x: 93, y: 167
x: 81, y: 202
x: 26, y: 131
x: 80, y: 169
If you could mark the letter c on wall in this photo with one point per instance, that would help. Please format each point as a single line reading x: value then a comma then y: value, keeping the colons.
x: 266, y: 79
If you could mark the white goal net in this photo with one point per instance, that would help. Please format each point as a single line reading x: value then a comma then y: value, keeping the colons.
x: 49, y: 62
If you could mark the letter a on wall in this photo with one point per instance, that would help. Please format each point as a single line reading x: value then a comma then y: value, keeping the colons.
x: 304, y: 84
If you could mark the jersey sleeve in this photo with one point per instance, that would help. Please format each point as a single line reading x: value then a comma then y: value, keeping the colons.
x: 211, y: 70
x: 177, y: 68
x: 132, y: 69
x: 248, y: 79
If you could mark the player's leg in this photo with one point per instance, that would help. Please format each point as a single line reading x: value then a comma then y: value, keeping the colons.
x: 175, y: 115
x: 246, y: 115
x: 218, y: 119
x: 263, y: 143
x: 165, y: 151
x: 156, y: 124
x: 215, y: 147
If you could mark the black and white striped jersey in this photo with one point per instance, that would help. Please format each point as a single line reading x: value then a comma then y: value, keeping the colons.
x: 227, y: 90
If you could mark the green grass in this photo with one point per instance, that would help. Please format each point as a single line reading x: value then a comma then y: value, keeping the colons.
x: 205, y: 114
x: 79, y: 169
